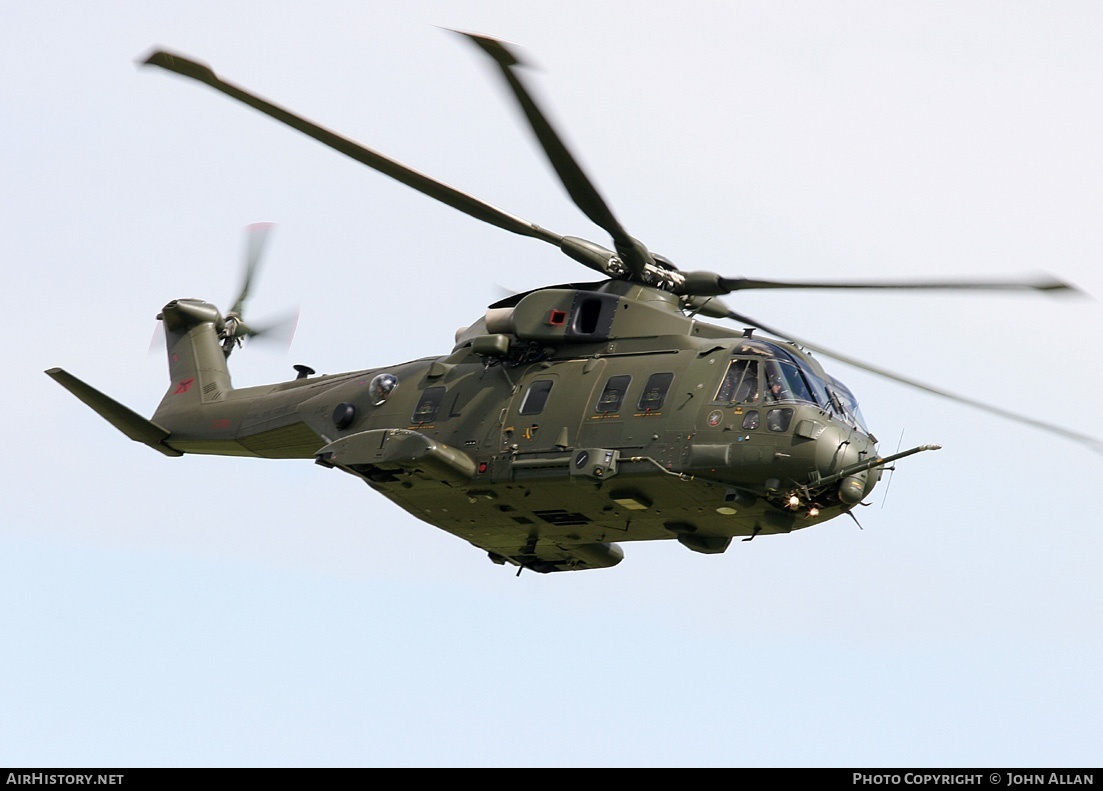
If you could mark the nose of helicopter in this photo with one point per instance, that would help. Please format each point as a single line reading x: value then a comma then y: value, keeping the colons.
x: 838, y: 450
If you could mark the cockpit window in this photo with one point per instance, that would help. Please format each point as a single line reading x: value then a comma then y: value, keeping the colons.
x: 784, y: 382
x: 747, y: 347
x: 782, y: 374
x: 740, y: 383
x: 849, y: 404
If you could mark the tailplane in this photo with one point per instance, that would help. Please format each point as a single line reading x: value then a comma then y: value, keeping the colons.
x: 121, y: 417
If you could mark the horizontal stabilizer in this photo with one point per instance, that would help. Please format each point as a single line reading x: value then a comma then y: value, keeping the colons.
x: 123, y: 418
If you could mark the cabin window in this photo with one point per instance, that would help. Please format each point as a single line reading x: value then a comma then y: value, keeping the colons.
x: 751, y: 420
x: 613, y: 394
x: 381, y: 388
x: 740, y: 383
x: 428, y: 405
x: 536, y: 397
x: 654, y: 392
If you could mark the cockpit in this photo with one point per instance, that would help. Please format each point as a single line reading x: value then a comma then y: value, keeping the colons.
x: 762, y: 372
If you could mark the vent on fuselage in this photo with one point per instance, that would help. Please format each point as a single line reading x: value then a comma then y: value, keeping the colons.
x: 561, y: 517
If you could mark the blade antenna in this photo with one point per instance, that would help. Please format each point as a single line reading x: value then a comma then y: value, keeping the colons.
x: 892, y: 471
x: 850, y: 512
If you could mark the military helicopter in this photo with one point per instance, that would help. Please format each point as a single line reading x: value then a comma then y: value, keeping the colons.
x: 566, y: 418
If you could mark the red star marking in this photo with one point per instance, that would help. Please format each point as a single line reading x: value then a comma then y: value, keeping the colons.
x: 184, y: 386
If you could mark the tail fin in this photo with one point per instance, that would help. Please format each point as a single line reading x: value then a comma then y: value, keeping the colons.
x: 197, y: 363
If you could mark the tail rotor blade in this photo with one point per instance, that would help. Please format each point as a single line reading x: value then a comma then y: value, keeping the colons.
x: 156, y: 341
x: 278, y: 332
x: 256, y: 240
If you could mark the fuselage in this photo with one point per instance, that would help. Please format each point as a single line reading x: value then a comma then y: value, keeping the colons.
x: 568, y: 417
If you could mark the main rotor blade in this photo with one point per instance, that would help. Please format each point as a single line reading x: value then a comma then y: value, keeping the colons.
x: 424, y: 184
x: 1041, y: 283
x: 582, y: 191
x: 1090, y: 442
x: 256, y: 240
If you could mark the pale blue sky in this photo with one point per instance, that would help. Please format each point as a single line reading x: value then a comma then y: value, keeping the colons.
x: 233, y: 612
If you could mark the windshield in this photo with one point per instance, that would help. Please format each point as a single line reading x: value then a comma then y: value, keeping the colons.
x: 784, y: 382
x: 849, y: 404
x: 772, y: 373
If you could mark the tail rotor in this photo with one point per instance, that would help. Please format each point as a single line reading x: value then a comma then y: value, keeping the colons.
x: 233, y: 329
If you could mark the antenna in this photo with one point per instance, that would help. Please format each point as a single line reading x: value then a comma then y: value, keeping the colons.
x: 891, y: 470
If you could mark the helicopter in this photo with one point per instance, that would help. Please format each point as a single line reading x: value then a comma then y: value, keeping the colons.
x: 566, y: 419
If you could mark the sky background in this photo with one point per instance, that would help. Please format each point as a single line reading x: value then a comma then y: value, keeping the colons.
x: 234, y: 612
